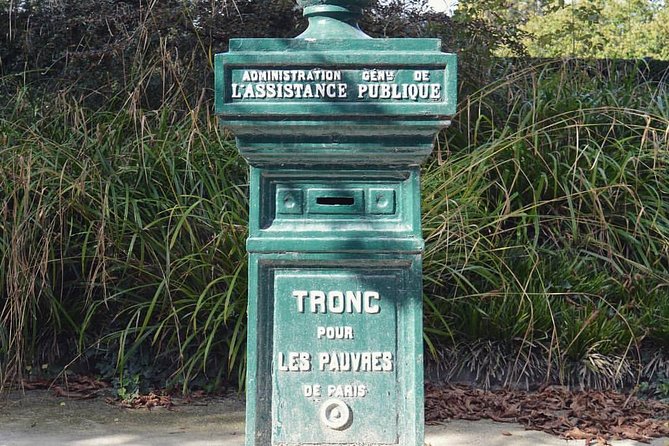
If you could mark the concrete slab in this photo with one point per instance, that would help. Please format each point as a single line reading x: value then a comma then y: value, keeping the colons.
x: 490, y: 433
x: 38, y: 418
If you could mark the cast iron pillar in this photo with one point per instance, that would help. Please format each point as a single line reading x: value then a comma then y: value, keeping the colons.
x: 334, y: 125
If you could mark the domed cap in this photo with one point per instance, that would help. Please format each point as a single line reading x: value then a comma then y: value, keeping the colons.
x: 329, y: 7
x: 334, y: 19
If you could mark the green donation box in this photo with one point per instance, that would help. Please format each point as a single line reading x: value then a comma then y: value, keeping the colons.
x: 334, y: 125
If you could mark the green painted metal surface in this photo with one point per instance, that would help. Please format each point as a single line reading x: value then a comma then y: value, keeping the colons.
x: 334, y: 125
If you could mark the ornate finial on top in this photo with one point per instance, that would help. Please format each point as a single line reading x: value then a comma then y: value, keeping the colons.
x: 333, y: 19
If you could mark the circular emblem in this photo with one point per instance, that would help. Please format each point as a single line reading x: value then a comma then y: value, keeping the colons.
x: 336, y: 414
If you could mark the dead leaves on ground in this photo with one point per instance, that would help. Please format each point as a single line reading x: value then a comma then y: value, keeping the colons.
x: 144, y: 402
x: 593, y: 416
x: 81, y: 387
x: 75, y: 387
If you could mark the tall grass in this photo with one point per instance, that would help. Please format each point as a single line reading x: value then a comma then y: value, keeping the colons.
x: 545, y: 214
x: 547, y: 222
x: 122, y: 235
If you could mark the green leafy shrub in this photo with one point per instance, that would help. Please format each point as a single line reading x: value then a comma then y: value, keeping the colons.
x: 549, y: 220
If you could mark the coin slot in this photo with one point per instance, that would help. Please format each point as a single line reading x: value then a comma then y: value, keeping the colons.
x: 335, y: 201
x: 342, y: 202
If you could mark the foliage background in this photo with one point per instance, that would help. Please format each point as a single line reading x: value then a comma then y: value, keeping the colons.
x: 622, y: 29
x: 123, y: 210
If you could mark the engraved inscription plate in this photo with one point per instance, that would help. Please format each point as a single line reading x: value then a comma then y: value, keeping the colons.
x: 335, y: 365
x: 383, y: 84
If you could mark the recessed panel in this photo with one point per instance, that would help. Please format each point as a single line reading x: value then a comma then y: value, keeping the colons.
x: 334, y: 365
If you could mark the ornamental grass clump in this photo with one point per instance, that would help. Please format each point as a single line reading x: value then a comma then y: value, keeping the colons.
x: 122, y: 237
x: 545, y: 212
x: 546, y: 216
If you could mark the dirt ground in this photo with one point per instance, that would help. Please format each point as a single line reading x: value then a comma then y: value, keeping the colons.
x: 39, y: 418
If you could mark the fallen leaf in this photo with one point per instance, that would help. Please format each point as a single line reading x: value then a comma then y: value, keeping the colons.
x: 593, y: 416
